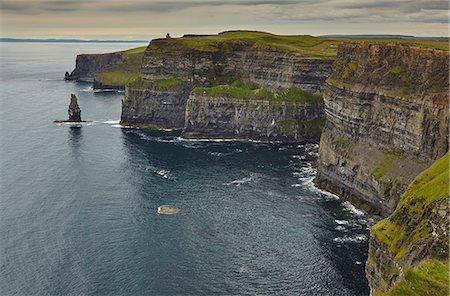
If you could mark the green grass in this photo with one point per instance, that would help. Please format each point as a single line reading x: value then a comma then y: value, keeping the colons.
x: 125, y: 72
x: 305, y: 45
x: 118, y: 77
x: 160, y: 83
x: 408, y: 225
x: 390, y: 156
x: 167, y: 83
x: 253, y: 92
x: 397, y: 70
x: 430, y: 278
x: 135, y: 51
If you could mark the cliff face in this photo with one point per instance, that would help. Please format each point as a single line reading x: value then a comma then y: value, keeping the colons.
x: 225, y: 117
x: 265, y: 65
x: 109, y: 70
x: 224, y: 63
x: 90, y: 66
x: 387, y: 119
x: 415, y: 234
x: 155, y: 106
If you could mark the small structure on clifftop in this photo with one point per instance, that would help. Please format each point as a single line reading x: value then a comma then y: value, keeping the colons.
x: 74, y: 111
x: 168, y: 36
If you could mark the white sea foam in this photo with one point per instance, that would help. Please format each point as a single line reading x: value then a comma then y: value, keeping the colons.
x: 242, y: 181
x: 122, y: 126
x: 342, y: 222
x: 107, y: 90
x: 352, y: 209
x: 359, y: 238
x: 163, y: 173
x: 216, y: 154
x: 112, y: 121
x: 340, y: 228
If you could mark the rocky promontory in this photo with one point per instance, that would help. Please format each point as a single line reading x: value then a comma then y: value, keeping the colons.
x: 255, y: 66
x: 386, y: 107
x: 109, y: 70
x: 387, y: 110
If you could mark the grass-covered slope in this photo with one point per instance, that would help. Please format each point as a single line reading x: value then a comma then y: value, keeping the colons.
x: 429, y: 278
x: 126, y: 71
x: 308, y: 46
x: 417, y: 232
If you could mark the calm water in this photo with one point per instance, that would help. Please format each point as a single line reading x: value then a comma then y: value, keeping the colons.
x: 78, y: 205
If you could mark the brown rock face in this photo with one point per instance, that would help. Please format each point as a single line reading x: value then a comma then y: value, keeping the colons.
x: 89, y: 66
x: 231, y: 118
x: 387, y: 119
x: 267, y: 66
x: 74, y: 110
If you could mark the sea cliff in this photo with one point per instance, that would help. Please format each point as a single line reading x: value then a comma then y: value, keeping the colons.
x: 108, y: 70
x: 386, y: 107
x: 408, y: 251
x: 385, y: 110
x: 217, y: 115
x: 246, y: 62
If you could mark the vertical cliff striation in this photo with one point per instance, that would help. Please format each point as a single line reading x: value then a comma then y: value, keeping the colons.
x: 222, y: 115
x: 158, y: 104
x: 386, y: 107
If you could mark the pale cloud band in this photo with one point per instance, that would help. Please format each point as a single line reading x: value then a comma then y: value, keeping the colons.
x: 145, y: 19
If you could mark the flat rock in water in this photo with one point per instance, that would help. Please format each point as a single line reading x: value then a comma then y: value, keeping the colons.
x: 167, y: 210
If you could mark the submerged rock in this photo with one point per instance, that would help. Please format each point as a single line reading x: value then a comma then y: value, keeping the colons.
x: 167, y: 210
x: 74, y: 110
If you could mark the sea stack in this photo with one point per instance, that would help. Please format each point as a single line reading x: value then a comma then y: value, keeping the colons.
x: 74, y: 110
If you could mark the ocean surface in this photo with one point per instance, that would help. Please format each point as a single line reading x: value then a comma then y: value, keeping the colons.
x: 78, y: 205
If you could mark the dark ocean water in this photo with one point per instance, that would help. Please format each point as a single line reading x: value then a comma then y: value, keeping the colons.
x: 78, y: 206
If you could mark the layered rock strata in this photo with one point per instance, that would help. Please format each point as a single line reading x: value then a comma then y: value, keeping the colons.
x: 230, y: 118
x: 386, y: 107
x: 90, y: 66
x: 267, y: 66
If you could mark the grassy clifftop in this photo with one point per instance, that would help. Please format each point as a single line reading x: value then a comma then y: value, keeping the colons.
x: 305, y: 45
x: 418, y: 230
x: 429, y: 278
x: 126, y: 71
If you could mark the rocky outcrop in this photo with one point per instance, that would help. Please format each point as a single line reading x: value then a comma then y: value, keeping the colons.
x: 90, y: 66
x: 387, y: 119
x: 416, y: 232
x: 249, y: 119
x: 74, y: 110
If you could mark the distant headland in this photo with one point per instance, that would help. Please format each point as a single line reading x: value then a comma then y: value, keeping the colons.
x: 70, y: 40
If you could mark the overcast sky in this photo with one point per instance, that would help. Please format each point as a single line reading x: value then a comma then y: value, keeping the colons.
x: 146, y: 19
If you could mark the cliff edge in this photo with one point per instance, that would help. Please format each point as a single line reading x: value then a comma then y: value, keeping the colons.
x: 408, y: 251
x: 386, y: 107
